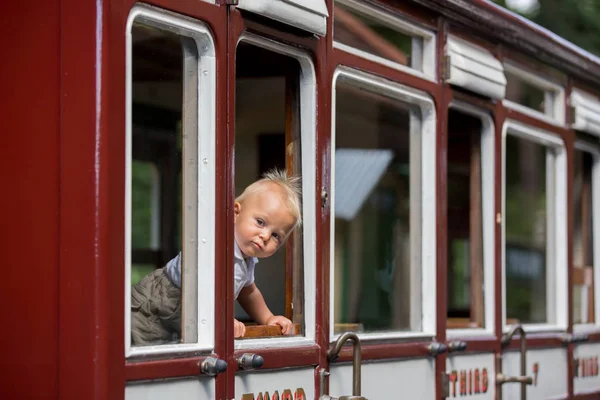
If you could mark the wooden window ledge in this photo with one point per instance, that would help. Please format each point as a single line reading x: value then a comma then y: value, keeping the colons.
x: 261, y: 331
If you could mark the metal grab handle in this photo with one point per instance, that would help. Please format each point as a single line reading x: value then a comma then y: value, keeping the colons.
x: 527, y: 380
x: 334, y: 353
x: 523, y: 379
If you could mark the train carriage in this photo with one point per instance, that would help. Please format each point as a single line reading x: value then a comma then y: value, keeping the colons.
x: 449, y: 152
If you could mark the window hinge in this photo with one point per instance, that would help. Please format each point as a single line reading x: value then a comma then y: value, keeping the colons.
x: 445, y: 382
x: 446, y: 64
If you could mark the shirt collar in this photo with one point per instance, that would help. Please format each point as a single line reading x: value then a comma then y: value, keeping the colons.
x: 237, y: 253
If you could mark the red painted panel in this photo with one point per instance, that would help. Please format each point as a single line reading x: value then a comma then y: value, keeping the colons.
x: 84, y: 296
x: 29, y: 77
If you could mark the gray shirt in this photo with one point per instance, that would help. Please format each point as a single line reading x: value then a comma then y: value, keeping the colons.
x: 243, y: 270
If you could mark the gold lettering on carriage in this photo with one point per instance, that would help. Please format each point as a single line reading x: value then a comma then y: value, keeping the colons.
x: 286, y: 394
x: 586, y: 367
x: 468, y: 382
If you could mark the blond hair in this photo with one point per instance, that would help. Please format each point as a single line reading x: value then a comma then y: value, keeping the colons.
x: 291, y: 186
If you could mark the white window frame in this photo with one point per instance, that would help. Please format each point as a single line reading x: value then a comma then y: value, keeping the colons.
x: 308, y: 118
x: 429, y: 40
x: 428, y: 198
x: 556, y: 116
x: 595, y: 153
x: 206, y: 103
x: 556, y: 245
x: 309, y: 15
x: 488, y: 196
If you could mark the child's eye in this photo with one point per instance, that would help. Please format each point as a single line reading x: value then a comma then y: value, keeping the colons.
x: 276, y: 235
x: 260, y: 222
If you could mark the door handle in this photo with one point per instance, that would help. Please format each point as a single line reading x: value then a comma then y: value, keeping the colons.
x: 334, y: 352
x: 523, y: 379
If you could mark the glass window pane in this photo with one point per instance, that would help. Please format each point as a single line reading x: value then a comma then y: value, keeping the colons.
x: 363, y: 32
x: 268, y: 136
x: 377, y: 215
x: 528, y: 198
x: 583, y: 236
x: 465, y: 226
x: 522, y: 92
x: 164, y: 188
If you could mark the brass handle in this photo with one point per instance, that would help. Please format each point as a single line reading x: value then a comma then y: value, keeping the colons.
x: 501, y: 379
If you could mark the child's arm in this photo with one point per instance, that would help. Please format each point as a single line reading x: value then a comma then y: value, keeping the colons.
x: 251, y: 299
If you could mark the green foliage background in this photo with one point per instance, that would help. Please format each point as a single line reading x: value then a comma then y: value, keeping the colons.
x: 578, y: 21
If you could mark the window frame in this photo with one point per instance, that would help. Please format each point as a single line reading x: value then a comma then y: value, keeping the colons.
x: 206, y: 136
x: 557, y: 264
x: 557, y: 117
x: 429, y: 38
x: 594, y: 151
x: 427, y: 194
x: 488, y: 196
x: 308, y: 118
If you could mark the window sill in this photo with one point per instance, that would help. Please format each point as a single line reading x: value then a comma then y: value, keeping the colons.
x: 264, y: 331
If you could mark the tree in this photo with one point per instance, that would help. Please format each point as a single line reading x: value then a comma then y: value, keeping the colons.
x: 578, y: 21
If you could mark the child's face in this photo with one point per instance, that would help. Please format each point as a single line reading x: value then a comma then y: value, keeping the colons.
x: 262, y: 222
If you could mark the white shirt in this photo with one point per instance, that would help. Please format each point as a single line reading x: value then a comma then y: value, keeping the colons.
x: 243, y: 270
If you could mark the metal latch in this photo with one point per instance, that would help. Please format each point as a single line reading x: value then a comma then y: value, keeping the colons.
x: 213, y: 366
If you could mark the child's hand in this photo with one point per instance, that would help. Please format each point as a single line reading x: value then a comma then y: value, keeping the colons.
x: 283, y: 322
x: 239, y: 329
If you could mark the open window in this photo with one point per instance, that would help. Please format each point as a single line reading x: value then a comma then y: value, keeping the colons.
x: 367, y: 32
x: 586, y: 225
x: 274, y: 128
x: 383, y: 208
x: 534, y: 229
x: 169, y: 129
x: 531, y: 94
x: 470, y: 213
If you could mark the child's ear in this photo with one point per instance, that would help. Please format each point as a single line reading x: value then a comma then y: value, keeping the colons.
x: 237, y: 207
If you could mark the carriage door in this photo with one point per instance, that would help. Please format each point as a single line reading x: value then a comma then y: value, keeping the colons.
x: 533, y: 361
x: 170, y: 206
x: 585, y: 246
x: 383, y: 204
x: 272, y: 89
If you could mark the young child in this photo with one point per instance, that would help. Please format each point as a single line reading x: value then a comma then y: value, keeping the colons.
x: 264, y: 216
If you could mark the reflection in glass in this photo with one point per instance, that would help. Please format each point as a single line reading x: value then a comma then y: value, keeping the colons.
x: 163, y: 75
x: 465, y: 230
x: 529, y: 185
x: 373, y: 36
x: 583, y: 236
x: 377, y: 215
